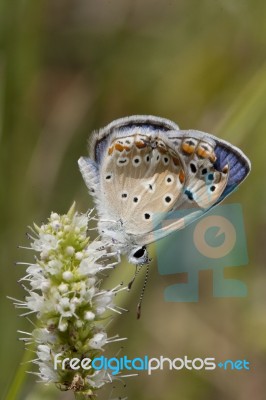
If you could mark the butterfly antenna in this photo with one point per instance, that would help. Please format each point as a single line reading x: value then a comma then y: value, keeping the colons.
x: 142, y: 292
x: 138, y: 268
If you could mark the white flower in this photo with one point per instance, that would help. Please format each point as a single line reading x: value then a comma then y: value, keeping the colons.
x: 44, y: 352
x: 99, y: 378
x: 81, y: 221
x: 63, y: 288
x: 70, y: 250
x: 89, y: 267
x: 98, y: 341
x: 103, y: 302
x: 56, y: 225
x: 64, y: 292
x: 54, y: 267
x: 89, y: 316
x: 34, y: 301
x: 79, y: 255
x: 43, y: 335
x: 46, y: 242
x: 63, y: 325
x: 65, y: 307
x: 67, y: 276
x: 47, y: 373
x: 54, y: 216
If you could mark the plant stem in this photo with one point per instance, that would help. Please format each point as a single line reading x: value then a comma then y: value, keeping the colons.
x: 17, y: 383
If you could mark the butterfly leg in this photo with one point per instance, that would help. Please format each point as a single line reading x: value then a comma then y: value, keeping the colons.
x: 109, y: 220
x: 118, y: 258
x: 112, y: 265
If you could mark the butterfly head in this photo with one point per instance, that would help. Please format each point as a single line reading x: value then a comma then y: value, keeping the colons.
x: 114, y: 230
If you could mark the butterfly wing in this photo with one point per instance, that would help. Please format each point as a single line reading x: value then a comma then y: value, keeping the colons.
x: 100, y: 140
x: 143, y: 166
x: 123, y: 174
x: 139, y: 181
x: 211, y: 156
x: 213, y: 169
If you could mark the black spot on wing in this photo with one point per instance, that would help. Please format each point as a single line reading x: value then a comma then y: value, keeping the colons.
x: 189, y: 194
x: 193, y: 168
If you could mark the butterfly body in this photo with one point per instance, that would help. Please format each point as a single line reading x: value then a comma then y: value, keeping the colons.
x: 141, y: 167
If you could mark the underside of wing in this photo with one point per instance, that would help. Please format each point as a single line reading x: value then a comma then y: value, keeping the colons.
x: 141, y: 167
x: 207, y: 158
x: 213, y: 169
x: 147, y: 124
x: 139, y: 181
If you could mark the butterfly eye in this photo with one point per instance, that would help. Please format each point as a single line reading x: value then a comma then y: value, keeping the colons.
x: 139, y: 256
x: 140, y: 252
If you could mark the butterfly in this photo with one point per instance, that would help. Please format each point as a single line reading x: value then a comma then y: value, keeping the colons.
x: 141, y: 167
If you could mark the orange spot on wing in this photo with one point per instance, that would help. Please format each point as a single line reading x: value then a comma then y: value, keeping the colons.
x: 176, y: 161
x: 212, y: 158
x: 206, y: 154
x: 225, y: 169
x: 140, y: 145
x: 110, y: 150
x: 182, y: 176
x: 162, y: 150
x: 187, y: 148
x: 119, y: 147
x: 203, y: 153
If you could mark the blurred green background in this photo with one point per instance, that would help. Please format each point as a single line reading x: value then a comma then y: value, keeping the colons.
x: 69, y: 67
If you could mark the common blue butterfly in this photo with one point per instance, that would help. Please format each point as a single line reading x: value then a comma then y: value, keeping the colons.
x: 143, y: 166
